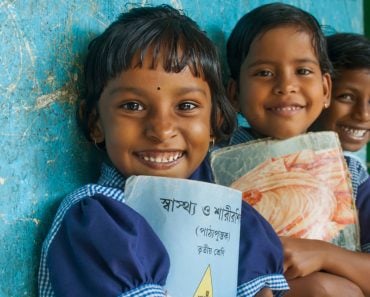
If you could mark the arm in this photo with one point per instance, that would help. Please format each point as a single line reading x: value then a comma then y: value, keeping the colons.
x: 304, y: 256
x: 322, y: 284
x: 265, y: 292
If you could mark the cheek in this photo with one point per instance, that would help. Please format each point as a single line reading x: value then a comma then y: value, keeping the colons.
x: 121, y: 137
x: 199, y: 132
x: 338, y: 111
x: 200, y: 128
x: 250, y: 96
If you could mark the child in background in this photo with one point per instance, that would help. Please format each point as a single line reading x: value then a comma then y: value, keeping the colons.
x: 154, y: 102
x: 280, y: 81
x: 349, y: 112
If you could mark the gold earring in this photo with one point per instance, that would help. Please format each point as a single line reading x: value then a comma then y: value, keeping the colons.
x: 97, y: 146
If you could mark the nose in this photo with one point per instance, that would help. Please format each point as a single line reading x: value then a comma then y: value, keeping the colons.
x: 285, y: 84
x: 361, y: 112
x: 160, y: 126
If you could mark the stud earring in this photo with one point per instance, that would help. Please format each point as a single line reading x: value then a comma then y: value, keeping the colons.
x: 326, y: 105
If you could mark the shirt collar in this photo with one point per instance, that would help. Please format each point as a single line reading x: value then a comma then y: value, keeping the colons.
x: 111, y: 177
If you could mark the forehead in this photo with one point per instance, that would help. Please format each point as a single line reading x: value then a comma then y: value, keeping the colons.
x: 283, y: 42
x: 170, y: 59
x: 358, y: 75
x: 146, y: 80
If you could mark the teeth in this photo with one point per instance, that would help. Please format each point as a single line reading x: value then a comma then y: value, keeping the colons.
x: 355, y: 132
x: 165, y: 158
x: 287, y: 108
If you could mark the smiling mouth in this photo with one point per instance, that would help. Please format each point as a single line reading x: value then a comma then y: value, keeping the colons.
x: 160, y: 158
x: 354, y: 133
x: 286, y: 110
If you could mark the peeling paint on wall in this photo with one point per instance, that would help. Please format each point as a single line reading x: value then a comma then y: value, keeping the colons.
x: 43, y: 155
x: 65, y: 94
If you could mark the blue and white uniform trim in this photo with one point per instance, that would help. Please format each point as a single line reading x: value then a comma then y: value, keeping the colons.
x: 276, y: 283
x: 151, y: 290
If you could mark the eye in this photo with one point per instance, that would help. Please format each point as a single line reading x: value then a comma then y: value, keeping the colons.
x: 346, y: 98
x: 187, y: 106
x: 304, y: 71
x: 132, y: 106
x: 264, y: 73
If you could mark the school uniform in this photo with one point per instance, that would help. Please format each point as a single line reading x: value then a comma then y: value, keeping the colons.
x: 98, y: 246
x: 360, y: 185
x: 361, y: 191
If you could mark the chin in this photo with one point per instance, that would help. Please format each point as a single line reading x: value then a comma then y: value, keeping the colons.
x: 351, y: 148
x: 286, y: 136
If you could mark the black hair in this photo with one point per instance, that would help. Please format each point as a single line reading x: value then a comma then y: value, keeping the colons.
x: 168, y: 36
x: 264, y: 18
x: 348, y: 51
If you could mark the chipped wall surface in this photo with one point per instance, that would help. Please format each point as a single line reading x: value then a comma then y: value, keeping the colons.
x: 43, y: 156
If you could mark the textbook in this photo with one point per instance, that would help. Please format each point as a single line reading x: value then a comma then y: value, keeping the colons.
x: 301, y: 185
x: 199, y: 224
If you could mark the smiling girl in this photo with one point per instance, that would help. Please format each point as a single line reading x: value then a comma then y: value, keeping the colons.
x: 154, y: 103
x: 349, y: 112
x: 280, y: 81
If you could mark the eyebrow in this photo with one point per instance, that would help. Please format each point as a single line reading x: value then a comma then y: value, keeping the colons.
x: 353, y: 87
x: 299, y: 61
x: 186, y: 90
x: 123, y: 89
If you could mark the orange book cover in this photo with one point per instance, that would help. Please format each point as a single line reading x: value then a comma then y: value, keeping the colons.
x: 300, y: 185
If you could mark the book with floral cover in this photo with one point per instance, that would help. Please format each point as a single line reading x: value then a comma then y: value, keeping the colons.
x: 199, y: 224
x: 301, y: 185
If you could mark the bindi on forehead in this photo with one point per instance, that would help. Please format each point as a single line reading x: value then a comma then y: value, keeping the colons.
x: 158, y: 88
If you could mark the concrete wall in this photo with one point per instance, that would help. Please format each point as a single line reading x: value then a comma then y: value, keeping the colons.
x: 42, y: 156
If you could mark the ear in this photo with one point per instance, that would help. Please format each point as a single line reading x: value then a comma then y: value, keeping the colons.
x: 327, y: 84
x: 232, y: 93
x: 95, y: 127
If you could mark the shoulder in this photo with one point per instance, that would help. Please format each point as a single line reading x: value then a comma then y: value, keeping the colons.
x: 88, y: 191
x: 68, y: 204
x: 93, y: 226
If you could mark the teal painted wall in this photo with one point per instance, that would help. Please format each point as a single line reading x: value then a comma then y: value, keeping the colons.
x: 43, y: 157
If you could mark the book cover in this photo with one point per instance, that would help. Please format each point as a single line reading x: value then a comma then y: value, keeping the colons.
x: 300, y: 185
x: 199, y: 224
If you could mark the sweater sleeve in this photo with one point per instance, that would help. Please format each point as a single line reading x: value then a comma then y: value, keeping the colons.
x: 104, y: 248
x: 260, y: 255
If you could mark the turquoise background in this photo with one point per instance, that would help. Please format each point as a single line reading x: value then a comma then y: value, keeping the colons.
x: 43, y: 156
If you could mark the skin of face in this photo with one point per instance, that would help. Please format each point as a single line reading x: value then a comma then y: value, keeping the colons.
x: 281, y: 89
x: 154, y: 122
x: 349, y: 112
